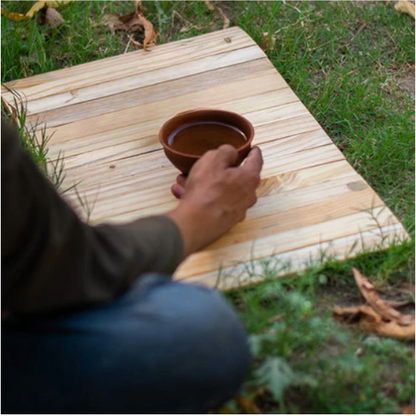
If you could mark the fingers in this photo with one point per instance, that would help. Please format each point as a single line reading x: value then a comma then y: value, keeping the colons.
x: 226, y: 155
x: 254, y: 161
x: 181, y: 180
x: 177, y: 190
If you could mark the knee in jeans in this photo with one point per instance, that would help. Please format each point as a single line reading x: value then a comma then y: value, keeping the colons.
x: 207, y: 305
x: 208, y: 315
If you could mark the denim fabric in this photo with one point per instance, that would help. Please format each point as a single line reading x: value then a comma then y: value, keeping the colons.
x: 163, y: 347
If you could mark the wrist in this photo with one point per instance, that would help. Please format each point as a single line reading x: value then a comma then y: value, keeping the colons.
x: 195, y: 224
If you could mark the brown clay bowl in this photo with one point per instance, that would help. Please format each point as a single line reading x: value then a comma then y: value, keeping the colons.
x: 185, y: 159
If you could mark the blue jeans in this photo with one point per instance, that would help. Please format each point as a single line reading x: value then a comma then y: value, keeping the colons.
x: 163, y: 347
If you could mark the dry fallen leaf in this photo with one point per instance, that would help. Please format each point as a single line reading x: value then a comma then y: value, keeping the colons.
x: 408, y: 410
x: 267, y: 43
x: 134, y: 42
x: 112, y: 21
x: 39, y: 5
x: 129, y: 22
x: 380, y: 306
x: 377, y: 316
x: 368, y: 319
x: 138, y: 7
x: 390, y: 329
x: 247, y: 406
x: 53, y: 18
x: 149, y: 33
x: 399, y: 303
x: 218, y: 11
x: 13, y: 16
x: 346, y: 311
x: 405, y: 7
x: 132, y: 22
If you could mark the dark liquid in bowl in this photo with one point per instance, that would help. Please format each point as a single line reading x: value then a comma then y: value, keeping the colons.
x: 199, y: 137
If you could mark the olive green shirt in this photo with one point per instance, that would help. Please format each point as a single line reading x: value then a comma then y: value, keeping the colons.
x: 52, y: 261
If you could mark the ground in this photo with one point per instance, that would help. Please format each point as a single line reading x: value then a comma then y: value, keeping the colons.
x: 352, y: 65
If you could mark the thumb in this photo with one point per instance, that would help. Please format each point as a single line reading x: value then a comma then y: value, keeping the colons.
x: 254, y: 161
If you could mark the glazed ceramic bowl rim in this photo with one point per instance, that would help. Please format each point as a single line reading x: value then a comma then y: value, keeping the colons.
x: 199, y: 111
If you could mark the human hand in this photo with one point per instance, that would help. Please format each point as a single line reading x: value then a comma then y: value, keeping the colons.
x: 215, y: 196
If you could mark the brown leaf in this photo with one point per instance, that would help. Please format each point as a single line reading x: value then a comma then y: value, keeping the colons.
x: 381, y: 307
x: 267, y: 43
x: 408, y: 410
x: 138, y: 7
x: 129, y: 22
x: 149, y: 33
x: 405, y: 7
x: 53, y: 18
x: 369, y: 320
x: 41, y: 4
x: 390, y: 329
x: 399, y: 303
x: 13, y: 16
x: 134, y: 42
x: 112, y: 21
x: 349, y: 311
x: 132, y: 22
x: 218, y: 11
x: 248, y: 406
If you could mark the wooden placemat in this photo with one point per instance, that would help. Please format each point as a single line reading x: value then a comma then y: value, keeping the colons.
x: 105, y: 117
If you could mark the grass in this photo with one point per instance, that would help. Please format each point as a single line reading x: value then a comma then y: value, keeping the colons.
x: 331, y: 369
x: 349, y: 64
x: 37, y: 147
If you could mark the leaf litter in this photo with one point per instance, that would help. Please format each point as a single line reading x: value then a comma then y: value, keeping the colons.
x: 405, y: 7
x: 218, y: 11
x: 267, y: 43
x: 38, y: 6
x: 377, y: 315
x: 53, y: 18
x: 132, y: 22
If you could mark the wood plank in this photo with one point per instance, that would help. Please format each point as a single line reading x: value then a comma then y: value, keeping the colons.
x: 282, y: 264
x: 235, y: 34
x: 266, y: 203
x: 133, y: 173
x: 208, y: 261
x: 164, y: 109
x: 145, y: 92
x: 306, y: 209
x: 298, y: 179
x: 127, y: 145
x: 112, y: 87
x: 123, y: 65
x: 142, y: 138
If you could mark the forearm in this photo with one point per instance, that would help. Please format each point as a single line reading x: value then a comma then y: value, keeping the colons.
x: 51, y: 260
x: 198, y: 225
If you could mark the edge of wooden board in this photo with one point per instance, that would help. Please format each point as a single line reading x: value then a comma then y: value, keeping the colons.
x: 243, y: 274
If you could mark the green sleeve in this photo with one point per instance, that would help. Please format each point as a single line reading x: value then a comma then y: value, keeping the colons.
x: 52, y: 261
